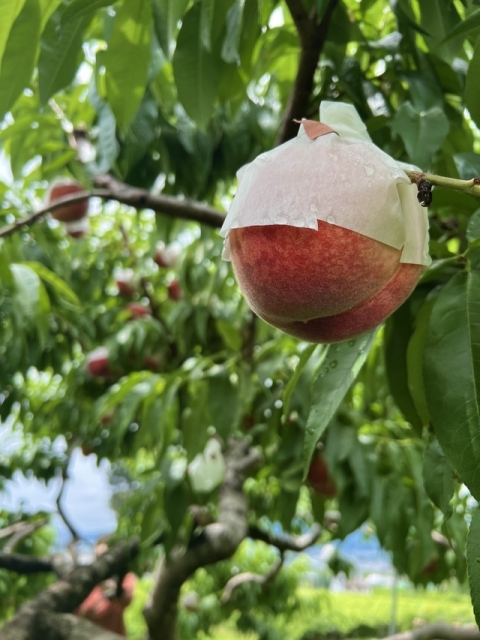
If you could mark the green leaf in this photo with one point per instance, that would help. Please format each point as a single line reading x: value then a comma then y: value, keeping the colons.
x: 341, y: 366
x: 20, y: 55
x: 195, y: 70
x: 468, y: 164
x: 398, y: 331
x: 176, y: 504
x: 206, y: 22
x: 234, y: 29
x: 60, y: 287
x: 438, y: 479
x: 439, y: 19
x: 305, y: 356
x: 423, y: 133
x: 222, y: 404
x: 167, y: 14
x: 230, y: 335
x: 473, y: 562
x: 452, y: 373
x: 79, y: 8
x: 47, y: 8
x: 472, y: 86
x: 31, y: 305
x: 9, y: 10
x: 473, y: 227
x: 463, y: 28
x: 60, y: 51
x: 127, y: 59
x: 415, y: 350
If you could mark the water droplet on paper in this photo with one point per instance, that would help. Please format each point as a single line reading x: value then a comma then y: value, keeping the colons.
x: 331, y: 219
x: 266, y: 157
x: 369, y: 183
x: 313, y: 208
x: 369, y: 169
x: 281, y: 220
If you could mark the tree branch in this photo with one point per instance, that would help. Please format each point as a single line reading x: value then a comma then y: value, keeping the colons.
x: 470, y: 187
x: 131, y: 196
x: 286, y: 542
x: 312, y: 39
x: 300, y: 18
x: 60, y: 509
x: 248, y: 576
x: 19, y: 531
x: 67, y: 594
x: 217, y: 542
x: 438, y: 632
x: 168, y: 205
x: 21, y: 563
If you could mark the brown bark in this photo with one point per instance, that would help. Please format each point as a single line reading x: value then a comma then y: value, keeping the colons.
x: 312, y: 36
x: 66, y: 595
x: 219, y: 541
x: 24, y: 564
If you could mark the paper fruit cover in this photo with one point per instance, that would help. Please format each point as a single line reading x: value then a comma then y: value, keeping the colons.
x: 325, y: 232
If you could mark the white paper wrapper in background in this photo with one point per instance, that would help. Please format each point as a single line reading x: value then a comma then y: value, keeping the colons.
x: 341, y: 179
x: 207, y: 469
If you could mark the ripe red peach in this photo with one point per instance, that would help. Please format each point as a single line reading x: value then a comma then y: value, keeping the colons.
x: 321, y: 286
x: 70, y: 212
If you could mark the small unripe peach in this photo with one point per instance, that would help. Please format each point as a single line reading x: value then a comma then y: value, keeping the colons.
x: 62, y: 188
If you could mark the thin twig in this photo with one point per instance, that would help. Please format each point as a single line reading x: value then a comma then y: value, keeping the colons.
x: 62, y: 513
x: 470, y: 187
x: 248, y: 576
x: 21, y: 533
x: 12, y: 529
x: 286, y: 542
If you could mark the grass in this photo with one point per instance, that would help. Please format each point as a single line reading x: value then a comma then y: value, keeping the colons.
x: 323, y: 611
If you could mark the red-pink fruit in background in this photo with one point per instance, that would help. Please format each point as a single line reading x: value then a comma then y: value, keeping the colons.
x: 166, y: 256
x: 62, y: 188
x: 126, y: 282
x: 319, y: 478
x: 138, y: 310
x: 175, y: 291
x: 77, y: 229
x: 321, y: 286
x: 98, y: 363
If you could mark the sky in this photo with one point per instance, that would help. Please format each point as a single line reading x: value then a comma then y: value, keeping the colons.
x: 85, y: 498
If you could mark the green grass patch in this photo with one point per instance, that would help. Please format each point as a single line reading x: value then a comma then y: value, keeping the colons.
x: 323, y: 611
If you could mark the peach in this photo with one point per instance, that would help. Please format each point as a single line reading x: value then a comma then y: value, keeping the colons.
x: 97, y: 362
x: 70, y: 212
x: 138, y: 310
x: 321, y: 286
x: 319, y: 477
